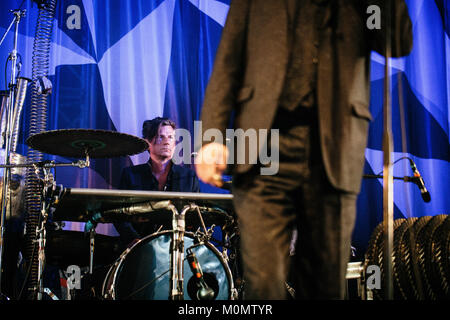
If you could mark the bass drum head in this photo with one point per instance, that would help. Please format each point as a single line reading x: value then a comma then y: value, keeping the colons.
x: 143, y: 271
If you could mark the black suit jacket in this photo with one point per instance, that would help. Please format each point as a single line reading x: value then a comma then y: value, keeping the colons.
x: 250, y: 68
x: 140, y: 177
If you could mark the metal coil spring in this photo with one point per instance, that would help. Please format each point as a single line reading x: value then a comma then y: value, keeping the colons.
x: 420, y: 258
x: 38, y: 122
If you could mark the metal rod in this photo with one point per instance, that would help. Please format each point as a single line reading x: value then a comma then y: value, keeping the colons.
x: 42, y: 233
x: 41, y: 258
x: 9, y: 123
x: 175, y: 293
x: 178, y: 224
x: 91, y: 250
x: 7, y: 30
x: 388, y: 192
x: 51, y: 164
x: 379, y: 176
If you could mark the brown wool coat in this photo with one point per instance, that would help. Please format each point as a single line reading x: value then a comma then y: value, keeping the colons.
x: 250, y: 68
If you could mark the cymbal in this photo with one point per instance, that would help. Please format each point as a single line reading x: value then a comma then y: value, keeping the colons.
x: 76, y: 143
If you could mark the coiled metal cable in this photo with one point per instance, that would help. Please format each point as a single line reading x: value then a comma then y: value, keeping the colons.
x: 38, y: 122
x: 429, y: 253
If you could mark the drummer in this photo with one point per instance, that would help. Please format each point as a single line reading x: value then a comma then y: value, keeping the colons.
x: 158, y: 174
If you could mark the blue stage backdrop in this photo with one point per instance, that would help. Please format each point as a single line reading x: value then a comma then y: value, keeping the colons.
x: 116, y: 63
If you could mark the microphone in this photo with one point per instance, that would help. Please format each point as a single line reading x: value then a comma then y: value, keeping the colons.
x: 419, y: 181
x: 204, y: 292
x: 136, y: 209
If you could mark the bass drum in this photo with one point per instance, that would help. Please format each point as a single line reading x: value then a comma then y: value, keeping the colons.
x: 142, y: 272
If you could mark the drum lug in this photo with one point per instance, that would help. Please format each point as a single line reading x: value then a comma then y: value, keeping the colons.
x: 225, y: 255
x: 234, y: 294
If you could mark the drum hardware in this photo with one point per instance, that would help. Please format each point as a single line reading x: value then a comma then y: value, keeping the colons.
x: 290, y: 290
x: 177, y: 260
x: 201, y: 221
x: 177, y: 247
x: 49, y: 164
x: 78, y: 143
x: 10, y: 115
x: 91, y: 251
x: 355, y: 270
x: 90, y: 227
x: 51, y: 294
x: 105, y: 205
x: 204, y: 292
x: 113, y: 215
x: 206, y: 235
x: 135, y: 212
x: 178, y: 224
x: 78, y: 203
x: 50, y: 195
x: 209, y: 232
x: 143, y: 271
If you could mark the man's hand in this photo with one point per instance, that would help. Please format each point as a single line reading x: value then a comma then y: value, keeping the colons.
x: 211, y: 162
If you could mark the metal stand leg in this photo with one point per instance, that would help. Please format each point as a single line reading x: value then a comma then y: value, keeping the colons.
x: 91, y: 251
x: 41, y: 253
x: 177, y: 254
x: 10, y: 112
x: 178, y: 225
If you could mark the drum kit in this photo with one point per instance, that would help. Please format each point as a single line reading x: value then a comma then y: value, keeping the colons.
x: 178, y: 263
x: 184, y: 262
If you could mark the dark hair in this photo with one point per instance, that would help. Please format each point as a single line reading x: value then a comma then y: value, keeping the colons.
x: 150, y: 127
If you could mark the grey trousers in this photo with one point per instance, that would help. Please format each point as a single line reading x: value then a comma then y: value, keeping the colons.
x: 299, y: 197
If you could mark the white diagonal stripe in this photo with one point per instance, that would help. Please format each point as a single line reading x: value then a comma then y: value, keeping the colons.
x: 89, y: 11
x: 215, y: 9
x: 134, y: 72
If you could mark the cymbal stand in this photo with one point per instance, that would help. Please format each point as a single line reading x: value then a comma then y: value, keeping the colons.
x: 177, y: 254
x: 18, y: 14
x: 49, y: 196
x: 48, y: 186
x: 91, y: 251
x: 90, y: 227
x: 208, y: 233
x: 49, y: 164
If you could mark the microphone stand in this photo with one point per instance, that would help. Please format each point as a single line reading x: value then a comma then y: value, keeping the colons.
x: 177, y: 250
x: 378, y: 176
x: 18, y: 14
x: 177, y: 253
x: 388, y: 190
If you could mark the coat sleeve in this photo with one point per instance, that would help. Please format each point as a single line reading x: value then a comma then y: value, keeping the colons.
x: 228, y: 69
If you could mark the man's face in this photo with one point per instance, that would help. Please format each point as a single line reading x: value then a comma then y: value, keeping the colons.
x: 162, y: 145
